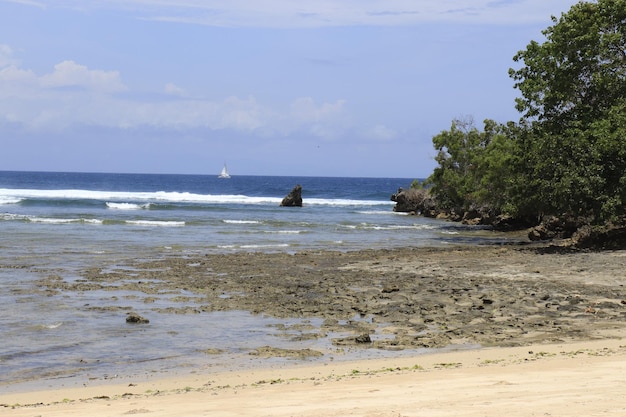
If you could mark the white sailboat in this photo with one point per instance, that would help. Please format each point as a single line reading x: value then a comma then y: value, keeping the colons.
x: 224, y: 173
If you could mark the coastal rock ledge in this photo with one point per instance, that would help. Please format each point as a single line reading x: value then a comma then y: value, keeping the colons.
x: 419, y: 201
x: 414, y: 201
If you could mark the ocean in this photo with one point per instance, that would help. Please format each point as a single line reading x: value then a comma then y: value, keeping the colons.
x: 55, y: 223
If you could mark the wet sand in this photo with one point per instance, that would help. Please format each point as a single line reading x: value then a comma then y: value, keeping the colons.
x: 550, y: 323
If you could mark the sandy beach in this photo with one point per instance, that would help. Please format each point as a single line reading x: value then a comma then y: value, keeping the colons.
x: 573, y: 379
x: 550, y: 324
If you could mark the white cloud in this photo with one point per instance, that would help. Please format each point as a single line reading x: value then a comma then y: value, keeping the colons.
x: 6, y: 56
x: 39, y: 4
x: 289, y: 13
x: 326, y: 120
x: 13, y: 75
x: 381, y: 133
x: 240, y: 114
x: 173, y: 89
x: 74, y: 95
x: 17, y: 85
x: 71, y: 74
x: 305, y: 110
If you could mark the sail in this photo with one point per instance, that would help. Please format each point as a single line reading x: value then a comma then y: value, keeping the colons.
x: 224, y: 173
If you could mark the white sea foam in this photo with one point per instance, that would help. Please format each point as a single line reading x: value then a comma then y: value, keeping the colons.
x: 285, y: 232
x: 155, y: 223
x: 118, y: 197
x: 48, y: 220
x: 255, y: 246
x: 345, y: 202
x: 12, y: 216
x: 242, y: 221
x: 9, y: 200
x: 51, y: 220
x: 127, y: 206
x: 260, y: 246
x: 380, y: 212
x: 367, y: 226
x: 412, y: 226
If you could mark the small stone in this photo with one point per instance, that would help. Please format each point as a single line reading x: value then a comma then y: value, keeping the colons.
x: 135, y: 318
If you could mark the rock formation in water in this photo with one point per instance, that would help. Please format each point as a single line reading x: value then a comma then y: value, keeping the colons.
x: 294, y: 198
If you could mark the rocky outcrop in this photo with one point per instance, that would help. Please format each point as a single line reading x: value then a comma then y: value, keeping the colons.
x: 574, y: 231
x: 414, y: 201
x: 610, y: 236
x: 552, y: 227
x: 580, y: 232
x: 419, y: 201
x: 294, y: 198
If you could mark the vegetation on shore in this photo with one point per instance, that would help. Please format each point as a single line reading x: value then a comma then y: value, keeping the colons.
x: 563, y: 164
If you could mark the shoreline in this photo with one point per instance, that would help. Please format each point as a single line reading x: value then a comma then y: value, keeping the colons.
x: 576, y: 378
x: 567, y: 308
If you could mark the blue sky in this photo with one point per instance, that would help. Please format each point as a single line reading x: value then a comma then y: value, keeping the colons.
x: 271, y: 87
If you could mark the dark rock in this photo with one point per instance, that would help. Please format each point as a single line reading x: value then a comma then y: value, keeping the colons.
x: 540, y: 233
x: 135, y: 318
x: 352, y: 340
x: 294, y: 198
x: 472, y: 218
x: 506, y: 223
x: 552, y: 227
x: 600, y: 237
x: 415, y: 201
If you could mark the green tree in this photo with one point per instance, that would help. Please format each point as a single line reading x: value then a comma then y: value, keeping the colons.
x: 473, y: 165
x: 452, y: 180
x: 572, y: 150
x: 578, y: 73
x: 494, y: 167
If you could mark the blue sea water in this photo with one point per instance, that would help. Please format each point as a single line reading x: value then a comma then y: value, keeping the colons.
x: 201, y: 212
x: 61, y: 223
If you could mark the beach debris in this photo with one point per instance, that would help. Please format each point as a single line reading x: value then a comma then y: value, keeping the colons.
x: 135, y: 318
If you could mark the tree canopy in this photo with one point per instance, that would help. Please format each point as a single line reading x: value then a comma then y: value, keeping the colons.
x: 567, y: 153
x: 578, y: 73
x: 472, y: 165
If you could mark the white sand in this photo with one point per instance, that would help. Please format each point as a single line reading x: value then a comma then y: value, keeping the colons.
x: 574, y: 379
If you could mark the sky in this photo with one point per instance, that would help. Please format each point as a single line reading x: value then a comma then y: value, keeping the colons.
x: 353, y: 88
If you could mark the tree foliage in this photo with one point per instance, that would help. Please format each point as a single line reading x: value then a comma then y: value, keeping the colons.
x: 578, y: 73
x: 471, y: 165
x: 573, y: 96
x: 567, y: 154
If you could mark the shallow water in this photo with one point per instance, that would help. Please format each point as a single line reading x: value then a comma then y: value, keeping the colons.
x: 58, y: 225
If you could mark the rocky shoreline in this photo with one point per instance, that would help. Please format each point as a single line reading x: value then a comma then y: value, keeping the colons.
x: 391, y: 299
x: 577, y: 231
